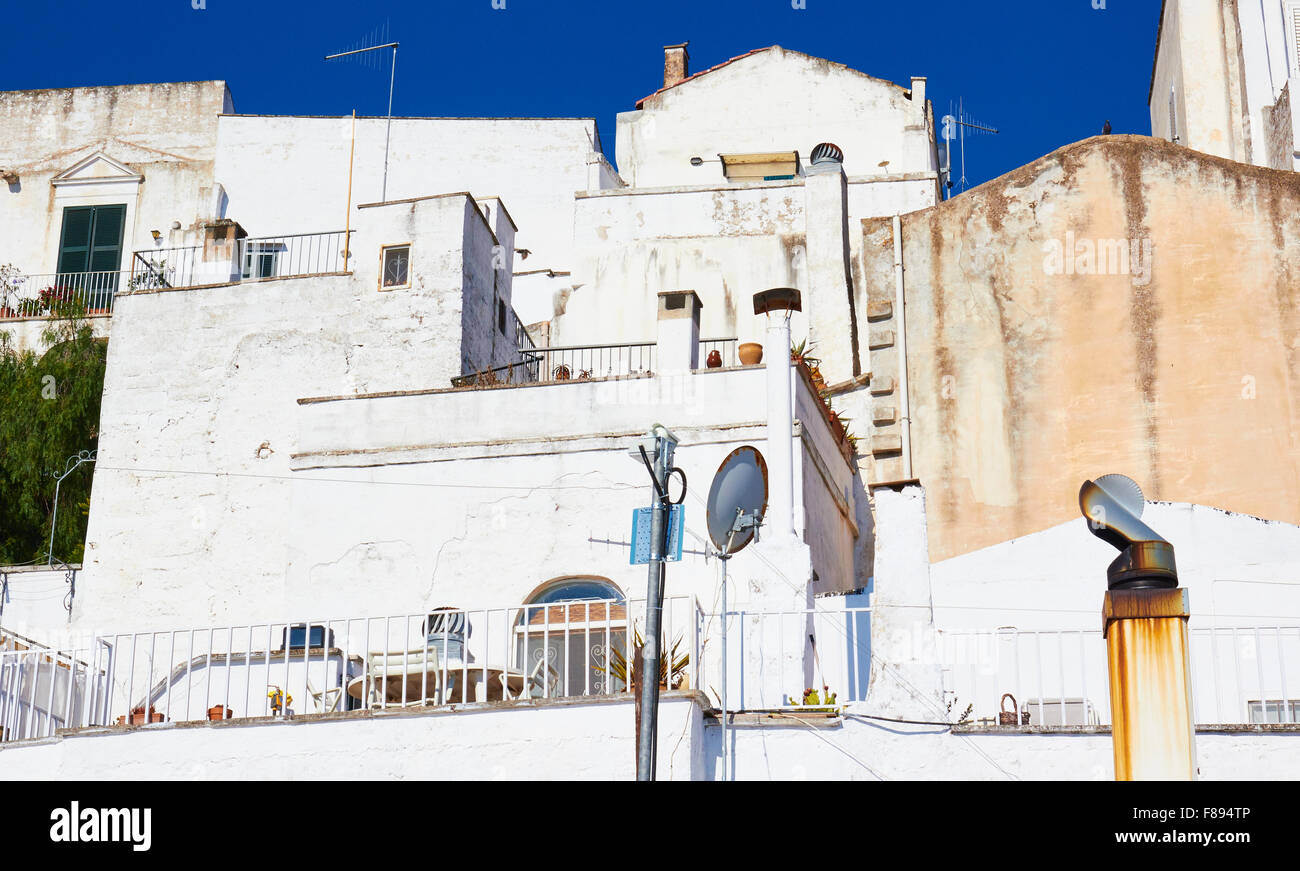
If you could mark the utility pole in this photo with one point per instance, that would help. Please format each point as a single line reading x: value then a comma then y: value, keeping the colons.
x: 647, y: 688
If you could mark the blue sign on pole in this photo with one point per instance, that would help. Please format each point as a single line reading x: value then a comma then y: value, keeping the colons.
x: 642, y: 518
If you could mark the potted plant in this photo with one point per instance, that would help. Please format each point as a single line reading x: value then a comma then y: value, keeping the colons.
x: 220, y: 712
x: 673, y: 672
x: 137, y: 717
x: 812, y: 700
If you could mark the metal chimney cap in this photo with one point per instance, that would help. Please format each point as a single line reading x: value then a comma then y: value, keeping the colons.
x: 826, y: 152
x: 777, y: 299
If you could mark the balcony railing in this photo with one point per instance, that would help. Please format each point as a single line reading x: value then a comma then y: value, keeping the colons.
x: 32, y: 296
x: 582, y: 362
x: 292, y: 255
x: 1239, y: 675
x: 165, y: 267
x: 450, y: 656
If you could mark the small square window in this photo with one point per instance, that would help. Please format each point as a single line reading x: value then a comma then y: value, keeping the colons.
x: 396, y: 266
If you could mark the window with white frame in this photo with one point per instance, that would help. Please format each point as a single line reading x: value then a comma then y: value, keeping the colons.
x: 395, y: 267
x: 1274, y: 711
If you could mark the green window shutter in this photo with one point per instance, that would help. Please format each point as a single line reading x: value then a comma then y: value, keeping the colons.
x: 106, y: 239
x: 92, y: 239
x: 74, y: 249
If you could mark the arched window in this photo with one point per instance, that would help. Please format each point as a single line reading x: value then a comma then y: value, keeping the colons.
x: 571, y: 637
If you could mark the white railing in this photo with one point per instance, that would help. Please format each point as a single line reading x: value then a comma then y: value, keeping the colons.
x: 773, y: 657
x: 292, y: 255
x: 1243, y: 675
x: 582, y: 362
x: 449, y: 656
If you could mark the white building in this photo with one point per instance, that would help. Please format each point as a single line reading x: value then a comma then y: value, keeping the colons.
x: 1225, y: 79
x: 334, y: 466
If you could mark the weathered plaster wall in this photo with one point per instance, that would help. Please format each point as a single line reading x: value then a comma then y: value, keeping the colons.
x: 166, y: 132
x: 773, y: 100
x: 1180, y: 368
x: 200, y: 417
x: 26, y: 334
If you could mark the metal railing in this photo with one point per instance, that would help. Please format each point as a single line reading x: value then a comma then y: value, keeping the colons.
x: 1239, y: 675
x: 583, y: 362
x: 291, y: 255
x: 726, y: 348
x: 773, y: 657
x: 580, y: 362
x: 449, y: 656
x: 29, y: 296
x: 164, y: 267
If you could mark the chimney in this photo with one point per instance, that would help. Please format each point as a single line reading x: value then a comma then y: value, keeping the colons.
x: 677, y: 62
x: 678, y: 331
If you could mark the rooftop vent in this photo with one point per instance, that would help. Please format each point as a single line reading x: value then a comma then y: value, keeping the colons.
x: 677, y: 62
x: 826, y: 152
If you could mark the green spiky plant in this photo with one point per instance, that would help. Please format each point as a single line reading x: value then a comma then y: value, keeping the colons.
x: 672, y: 668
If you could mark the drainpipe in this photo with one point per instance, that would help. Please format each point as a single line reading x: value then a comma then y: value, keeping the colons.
x: 901, y: 313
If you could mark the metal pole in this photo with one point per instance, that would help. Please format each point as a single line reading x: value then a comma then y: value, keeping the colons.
x: 347, y: 219
x: 648, y: 683
x: 724, y: 557
x: 388, y: 132
x: 82, y: 457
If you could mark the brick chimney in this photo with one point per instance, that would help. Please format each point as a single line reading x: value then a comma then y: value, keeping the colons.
x: 677, y: 62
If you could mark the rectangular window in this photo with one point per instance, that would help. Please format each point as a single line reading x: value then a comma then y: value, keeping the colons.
x: 261, y: 259
x: 395, y: 267
x: 501, y: 316
x: 1274, y: 711
x: 1173, y: 116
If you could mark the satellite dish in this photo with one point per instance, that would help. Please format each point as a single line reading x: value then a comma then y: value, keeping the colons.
x: 737, y: 499
x: 1123, y: 490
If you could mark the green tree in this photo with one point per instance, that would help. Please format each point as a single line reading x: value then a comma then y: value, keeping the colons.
x: 49, y: 411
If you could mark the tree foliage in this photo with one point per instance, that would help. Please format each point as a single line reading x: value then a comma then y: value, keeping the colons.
x: 49, y: 411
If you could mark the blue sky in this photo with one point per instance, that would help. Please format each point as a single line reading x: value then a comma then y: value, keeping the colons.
x: 1045, y: 73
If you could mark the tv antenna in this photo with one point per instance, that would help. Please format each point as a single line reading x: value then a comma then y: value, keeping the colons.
x: 955, y: 127
x: 737, y: 503
x: 392, y: 78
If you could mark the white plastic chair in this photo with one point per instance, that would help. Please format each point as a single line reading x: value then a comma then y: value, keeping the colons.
x: 384, y: 668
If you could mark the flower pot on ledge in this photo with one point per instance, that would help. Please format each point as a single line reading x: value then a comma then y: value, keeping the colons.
x: 750, y: 353
x: 220, y: 712
x: 138, y: 717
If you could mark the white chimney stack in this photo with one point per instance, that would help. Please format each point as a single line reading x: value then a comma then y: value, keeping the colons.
x: 678, y: 332
x: 778, y: 304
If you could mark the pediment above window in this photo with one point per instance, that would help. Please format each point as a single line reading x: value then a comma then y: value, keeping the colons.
x: 96, y: 169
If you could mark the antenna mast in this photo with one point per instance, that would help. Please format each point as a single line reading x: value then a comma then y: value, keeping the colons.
x: 954, y: 127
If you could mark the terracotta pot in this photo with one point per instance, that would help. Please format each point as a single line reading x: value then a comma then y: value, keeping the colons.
x: 715, y: 359
x: 751, y: 353
x: 138, y: 718
x: 220, y: 712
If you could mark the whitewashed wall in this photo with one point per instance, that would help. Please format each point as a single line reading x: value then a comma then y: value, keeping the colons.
x: 534, y: 164
x: 773, y: 100
x: 200, y: 418
x: 586, y: 741
x: 165, y: 132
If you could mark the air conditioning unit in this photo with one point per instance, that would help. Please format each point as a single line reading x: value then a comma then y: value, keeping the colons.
x: 1061, y: 712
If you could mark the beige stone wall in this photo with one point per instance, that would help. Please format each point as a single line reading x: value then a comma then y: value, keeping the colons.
x: 1183, y: 373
